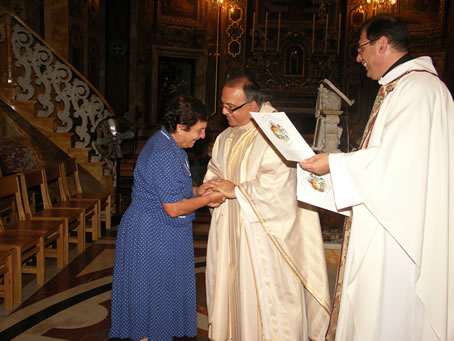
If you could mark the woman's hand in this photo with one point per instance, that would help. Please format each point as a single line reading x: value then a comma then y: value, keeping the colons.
x: 198, y: 191
x: 318, y: 164
x: 209, y: 198
x: 216, y: 198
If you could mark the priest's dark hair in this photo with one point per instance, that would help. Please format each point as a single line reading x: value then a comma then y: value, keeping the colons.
x: 389, y: 26
x: 250, y: 87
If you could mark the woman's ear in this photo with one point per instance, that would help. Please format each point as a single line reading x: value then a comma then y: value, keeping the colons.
x: 179, y: 128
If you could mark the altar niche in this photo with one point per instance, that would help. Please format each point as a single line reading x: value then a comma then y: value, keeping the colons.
x: 176, y: 71
x: 175, y: 77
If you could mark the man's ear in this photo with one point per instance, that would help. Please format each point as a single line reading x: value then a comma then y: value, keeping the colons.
x: 254, y: 106
x: 383, y: 44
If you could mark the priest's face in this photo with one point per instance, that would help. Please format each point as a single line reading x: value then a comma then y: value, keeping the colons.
x: 367, y: 56
x: 235, y: 106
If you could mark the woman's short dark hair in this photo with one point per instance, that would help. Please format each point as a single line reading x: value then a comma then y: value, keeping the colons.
x: 185, y: 110
x: 389, y: 26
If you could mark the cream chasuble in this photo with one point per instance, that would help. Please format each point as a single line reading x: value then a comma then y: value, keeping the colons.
x: 266, y: 272
x: 399, y: 271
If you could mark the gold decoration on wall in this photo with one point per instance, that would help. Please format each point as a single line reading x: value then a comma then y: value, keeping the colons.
x: 381, y: 6
x: 235, y: 30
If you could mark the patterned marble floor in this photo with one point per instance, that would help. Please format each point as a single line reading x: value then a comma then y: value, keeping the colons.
x: 74, y: 303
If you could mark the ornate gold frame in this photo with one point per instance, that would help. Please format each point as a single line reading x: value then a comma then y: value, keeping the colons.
x: 433, y: 25
x: 176, y: 19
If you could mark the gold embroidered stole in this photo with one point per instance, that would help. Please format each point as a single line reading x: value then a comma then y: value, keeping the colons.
x: 381, y: 95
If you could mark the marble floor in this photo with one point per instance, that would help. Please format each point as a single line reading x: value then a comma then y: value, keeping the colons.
x: 74, y: 303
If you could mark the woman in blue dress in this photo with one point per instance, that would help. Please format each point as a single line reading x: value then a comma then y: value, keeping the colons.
x: 153, y: 287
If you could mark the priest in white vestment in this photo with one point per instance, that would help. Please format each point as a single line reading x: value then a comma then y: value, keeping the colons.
x: 398, y: 280
x: 266, y: 273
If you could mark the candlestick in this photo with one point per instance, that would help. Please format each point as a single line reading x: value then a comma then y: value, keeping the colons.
x: 266, y: 28
x: 326, y: 32
x: 313, y: 32
x: 278, y: 31
x: 339, y: 33
x: 253, y: 31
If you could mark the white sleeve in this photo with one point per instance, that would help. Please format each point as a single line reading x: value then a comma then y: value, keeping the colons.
x: 248, y: 212
x: 345, y: 194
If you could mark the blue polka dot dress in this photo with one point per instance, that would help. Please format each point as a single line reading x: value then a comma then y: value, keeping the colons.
x: 153, y: 287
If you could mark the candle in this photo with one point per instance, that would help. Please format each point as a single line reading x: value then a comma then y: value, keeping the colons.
x: 266, y: 28
x: 313, y: 32
x: 278, y: 31
x: 326, y: 32
x: 339, y: 33
x: 253, y: 31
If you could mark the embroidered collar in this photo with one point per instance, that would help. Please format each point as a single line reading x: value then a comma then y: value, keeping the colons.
x: 401, y: 60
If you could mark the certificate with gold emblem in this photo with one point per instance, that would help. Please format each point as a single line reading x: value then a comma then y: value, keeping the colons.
x: 312, y: 189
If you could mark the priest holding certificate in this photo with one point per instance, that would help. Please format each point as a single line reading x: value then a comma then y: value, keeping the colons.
x: 398, y: 275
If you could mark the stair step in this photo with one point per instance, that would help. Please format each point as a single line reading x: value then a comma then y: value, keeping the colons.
x: 95, y: 168
x: 25, y: 108
x: 7, y: 91
x: 44, y: 124
x: 81, y: 154
x: 107, y: 182
x: 63, y: 140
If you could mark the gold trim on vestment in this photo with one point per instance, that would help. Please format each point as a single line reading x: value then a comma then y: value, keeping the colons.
x: 255, y: 280
x: 382, y: 93
x: 317, y: 296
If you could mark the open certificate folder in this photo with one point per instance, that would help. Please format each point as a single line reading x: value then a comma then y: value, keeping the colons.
x: 312, y: 189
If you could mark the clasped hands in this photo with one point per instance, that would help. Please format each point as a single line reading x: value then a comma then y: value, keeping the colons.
x: 220, y: 188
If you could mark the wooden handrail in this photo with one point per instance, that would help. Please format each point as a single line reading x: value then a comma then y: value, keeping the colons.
x: 60, y: 57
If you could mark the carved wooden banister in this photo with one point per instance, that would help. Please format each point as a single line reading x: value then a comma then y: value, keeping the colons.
x: 43, y: 75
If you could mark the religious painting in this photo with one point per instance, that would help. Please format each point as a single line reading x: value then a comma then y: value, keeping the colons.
x: 358, y: 16
x: 183, y: 12
x: 421, y: 12
x: 179, y: 8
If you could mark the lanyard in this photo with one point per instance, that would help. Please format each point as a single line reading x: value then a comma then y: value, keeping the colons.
x: 186, y: 162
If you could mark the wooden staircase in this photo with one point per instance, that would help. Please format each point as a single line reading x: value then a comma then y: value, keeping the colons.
x: 64, y: 141
x: 34, y: 79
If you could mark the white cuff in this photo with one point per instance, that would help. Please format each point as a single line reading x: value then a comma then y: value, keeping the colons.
x: 345, y: 194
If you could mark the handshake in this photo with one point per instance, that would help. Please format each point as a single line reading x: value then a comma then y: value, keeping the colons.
x: 218, y: 189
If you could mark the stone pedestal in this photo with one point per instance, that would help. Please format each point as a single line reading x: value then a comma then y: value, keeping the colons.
x: 327, y: 134
x: 332, y: 131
